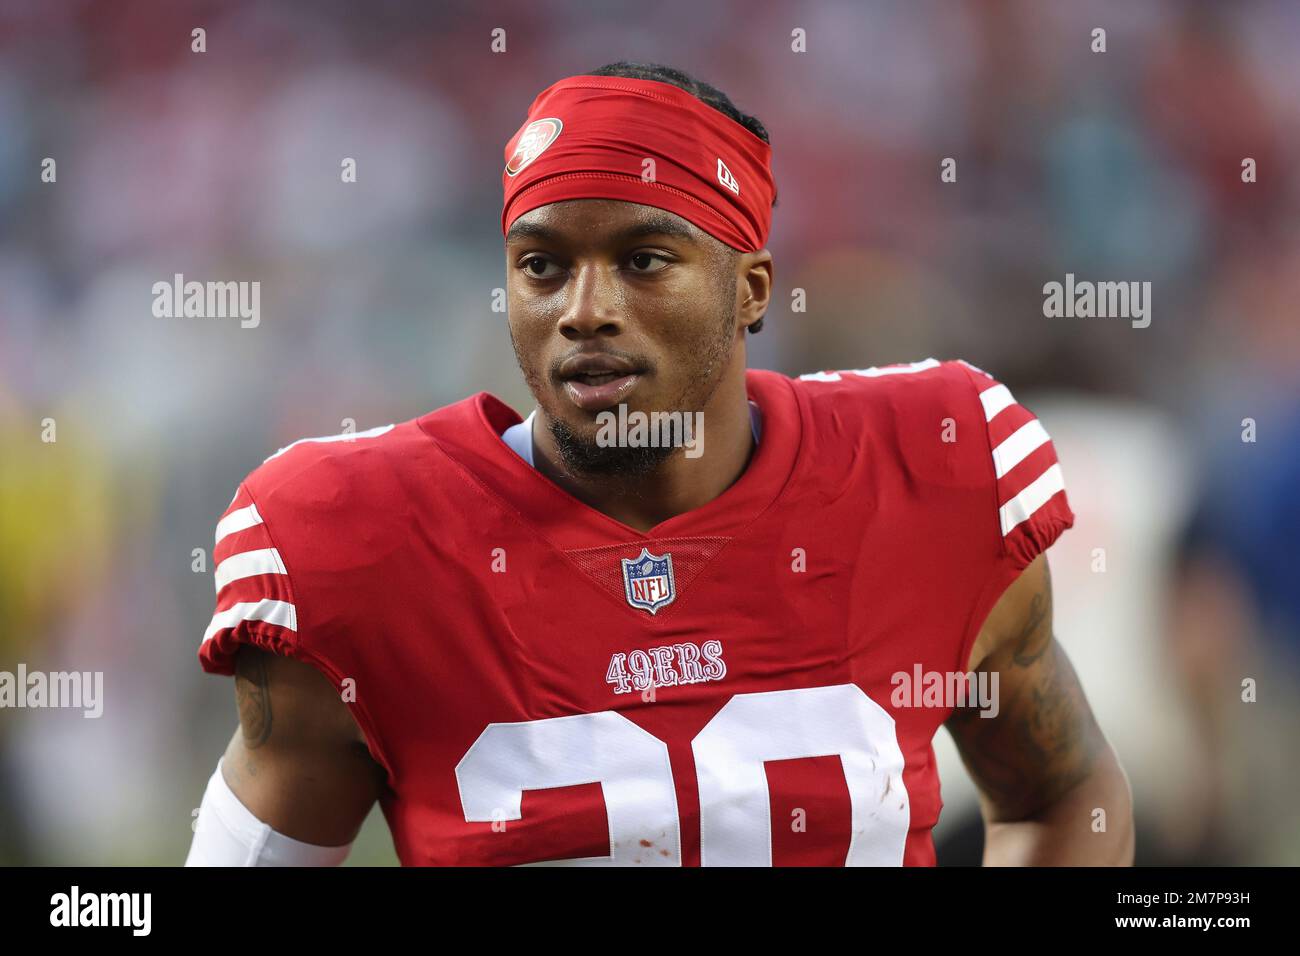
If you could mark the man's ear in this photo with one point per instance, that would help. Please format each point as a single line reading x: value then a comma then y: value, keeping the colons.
x: 756, y: 271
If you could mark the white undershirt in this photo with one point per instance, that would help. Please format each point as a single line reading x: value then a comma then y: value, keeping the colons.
x: 519, y: 437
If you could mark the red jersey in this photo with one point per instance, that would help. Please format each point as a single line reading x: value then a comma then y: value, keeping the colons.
x: 543, y: 683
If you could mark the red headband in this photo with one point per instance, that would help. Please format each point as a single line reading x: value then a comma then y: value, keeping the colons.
x: 587, y: 137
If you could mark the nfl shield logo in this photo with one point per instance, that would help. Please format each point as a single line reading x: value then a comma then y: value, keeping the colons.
x: 648, y: 581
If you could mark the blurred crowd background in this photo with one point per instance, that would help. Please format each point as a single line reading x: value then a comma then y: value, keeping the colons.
x: 377, y: 306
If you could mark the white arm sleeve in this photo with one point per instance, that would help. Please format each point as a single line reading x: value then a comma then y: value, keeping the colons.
x: 227, y: 834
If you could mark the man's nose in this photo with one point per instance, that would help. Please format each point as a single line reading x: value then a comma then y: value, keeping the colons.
x: 597, y: 306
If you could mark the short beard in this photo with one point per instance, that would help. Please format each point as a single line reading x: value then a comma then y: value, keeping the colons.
x: 589, y: 458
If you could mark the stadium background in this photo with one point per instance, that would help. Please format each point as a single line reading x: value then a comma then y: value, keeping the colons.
x: 376, y: 306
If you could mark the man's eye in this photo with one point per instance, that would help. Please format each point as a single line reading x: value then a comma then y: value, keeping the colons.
x: 646, y: 259
x: 536, y: 266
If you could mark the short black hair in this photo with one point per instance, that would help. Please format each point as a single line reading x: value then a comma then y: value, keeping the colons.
x: 704, y: 92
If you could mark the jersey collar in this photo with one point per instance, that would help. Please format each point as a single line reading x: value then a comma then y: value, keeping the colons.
x: 569, y: 523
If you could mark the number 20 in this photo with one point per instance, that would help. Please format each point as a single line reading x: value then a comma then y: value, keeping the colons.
x: 632, y: 767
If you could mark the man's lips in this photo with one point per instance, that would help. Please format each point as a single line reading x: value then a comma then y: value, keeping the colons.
x: 592, y: 393
x: 598, y: 380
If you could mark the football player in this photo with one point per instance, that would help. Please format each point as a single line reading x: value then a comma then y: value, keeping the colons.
x: 562, y: 640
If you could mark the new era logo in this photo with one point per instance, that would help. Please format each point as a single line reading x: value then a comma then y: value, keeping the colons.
x: 725, y: 177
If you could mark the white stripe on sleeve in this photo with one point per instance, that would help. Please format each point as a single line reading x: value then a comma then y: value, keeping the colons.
x: 1018, y: 445
x: 248, y: 563
x: 994, y: 400
x: 1035, y: 495
x: 280, y: 613
x: 237, y: 521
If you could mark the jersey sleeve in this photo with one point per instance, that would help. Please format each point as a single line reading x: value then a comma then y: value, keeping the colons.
x: 1032, y: 507
x: 255, y: 601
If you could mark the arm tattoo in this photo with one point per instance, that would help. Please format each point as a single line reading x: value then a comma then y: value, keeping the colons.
x: 1035, y: 636
x: 1044, y: 740
x: 253, y: 695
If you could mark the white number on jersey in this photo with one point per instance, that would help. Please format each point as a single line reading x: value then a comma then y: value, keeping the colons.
x: 633, y: 769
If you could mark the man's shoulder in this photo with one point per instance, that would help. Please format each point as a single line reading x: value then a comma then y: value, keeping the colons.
x: 360, y: 466
x: 887, y: 398
x: 320, y: 469
x: 915, y: 425
x: 321, y: 533
x: 929, y: 379
x: 951, y: 426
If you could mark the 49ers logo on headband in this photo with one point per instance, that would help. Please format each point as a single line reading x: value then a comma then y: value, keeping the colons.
x: 533, y: 141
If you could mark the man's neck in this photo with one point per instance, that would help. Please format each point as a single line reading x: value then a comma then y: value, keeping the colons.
x: 678, y: 485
